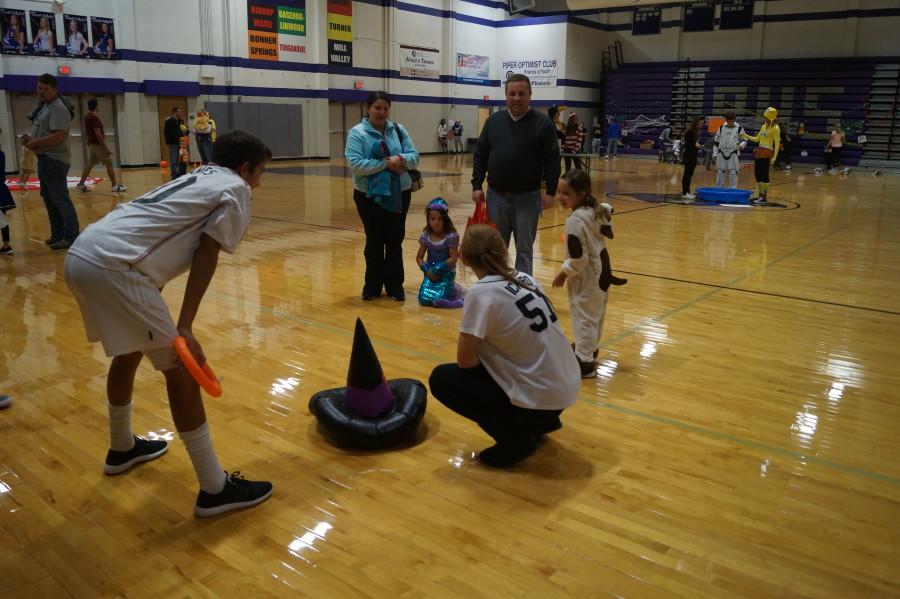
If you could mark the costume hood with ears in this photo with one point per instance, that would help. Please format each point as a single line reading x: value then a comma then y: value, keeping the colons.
x: 605, y: 212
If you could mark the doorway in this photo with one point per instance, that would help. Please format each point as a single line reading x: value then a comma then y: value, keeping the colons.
x: 483, y: 113
x: 165, y: 105
x: 342, y: 116
x: 23, y: 104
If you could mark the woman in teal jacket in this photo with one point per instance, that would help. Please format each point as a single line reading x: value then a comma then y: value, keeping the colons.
x: 380, y: 153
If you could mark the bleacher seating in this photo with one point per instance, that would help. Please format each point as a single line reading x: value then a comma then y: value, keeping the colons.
x: 818, y: 93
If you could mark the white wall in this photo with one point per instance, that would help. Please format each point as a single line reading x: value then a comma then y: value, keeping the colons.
x: 173, y: 26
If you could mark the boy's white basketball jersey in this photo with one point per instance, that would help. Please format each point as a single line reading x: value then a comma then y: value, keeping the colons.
x: 157, y: 233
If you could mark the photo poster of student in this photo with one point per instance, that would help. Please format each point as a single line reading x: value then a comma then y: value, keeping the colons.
x: 13, y: 30
x: 104, y: 35
x: 76, y: 35
x: 43, y: 32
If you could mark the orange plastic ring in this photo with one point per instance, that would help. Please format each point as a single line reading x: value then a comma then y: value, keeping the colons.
x: 204, y: 376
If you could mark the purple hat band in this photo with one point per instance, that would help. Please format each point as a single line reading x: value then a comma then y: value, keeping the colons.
x: 439, y: 204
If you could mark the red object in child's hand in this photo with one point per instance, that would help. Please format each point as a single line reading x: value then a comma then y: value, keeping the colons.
x: 202, y: 374
x: 480, y: 216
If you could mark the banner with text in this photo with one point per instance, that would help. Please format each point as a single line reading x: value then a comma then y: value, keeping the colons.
x: 76, y: 27
x: 736, y: 14
x: 646, y: 20
x: 472, y: 68
x: 420, y: 62
x: 103, y: 34
x: 541, y: 71
x: 276, y: 30
x: 12, y: 25
x: 340, y: 32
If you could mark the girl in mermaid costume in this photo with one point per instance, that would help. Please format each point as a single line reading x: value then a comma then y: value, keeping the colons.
x: 441, y: 242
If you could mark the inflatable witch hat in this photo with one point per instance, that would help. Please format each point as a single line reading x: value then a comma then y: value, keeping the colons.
x: 370, y: 412
x: 368, y: 393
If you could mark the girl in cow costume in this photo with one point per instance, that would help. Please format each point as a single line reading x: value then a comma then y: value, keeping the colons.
x: 587, y: 267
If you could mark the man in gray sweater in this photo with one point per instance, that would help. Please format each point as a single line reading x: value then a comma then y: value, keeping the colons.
x: 516, y: 150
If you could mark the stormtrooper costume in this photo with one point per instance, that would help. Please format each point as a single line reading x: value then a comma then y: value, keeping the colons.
x: 727, y: 152
x: 589, y: 273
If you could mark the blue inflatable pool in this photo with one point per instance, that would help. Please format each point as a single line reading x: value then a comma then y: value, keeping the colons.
x: 724, y: 196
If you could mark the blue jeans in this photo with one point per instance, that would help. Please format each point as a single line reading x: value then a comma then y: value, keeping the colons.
x: 55, y: 193
x: 204, y: 146
x: 173, y: 161
x: 612, y: 147
x: 517, y: 213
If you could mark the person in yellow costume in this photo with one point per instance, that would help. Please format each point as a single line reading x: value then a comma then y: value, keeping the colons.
x: 769, y: 140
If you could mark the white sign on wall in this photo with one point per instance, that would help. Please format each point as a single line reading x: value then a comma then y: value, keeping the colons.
x: 542, y: 72
x: 473, y: 68
x: 420, y: 62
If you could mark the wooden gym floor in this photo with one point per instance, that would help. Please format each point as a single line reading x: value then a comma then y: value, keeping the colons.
x: 740, y: 439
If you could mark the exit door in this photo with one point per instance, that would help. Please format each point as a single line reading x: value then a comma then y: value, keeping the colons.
x: 165, y: 105
x: 24, y: 104
x: 342, y: 116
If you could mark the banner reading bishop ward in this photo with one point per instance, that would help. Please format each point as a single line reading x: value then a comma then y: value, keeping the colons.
x: 276, y: 30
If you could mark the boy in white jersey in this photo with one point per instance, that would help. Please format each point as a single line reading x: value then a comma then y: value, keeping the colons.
x: 514, y: 372
x: 116, y: 270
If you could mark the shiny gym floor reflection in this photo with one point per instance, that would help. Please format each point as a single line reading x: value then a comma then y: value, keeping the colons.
x: 740, y: 438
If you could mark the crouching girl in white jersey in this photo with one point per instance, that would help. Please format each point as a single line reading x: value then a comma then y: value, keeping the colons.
x: 116, y: 269
x: 515, y: 372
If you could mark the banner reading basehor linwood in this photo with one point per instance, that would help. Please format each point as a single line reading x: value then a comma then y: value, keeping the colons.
x: 276, y: 30
x: 541, y: 71
x: 420, y: 62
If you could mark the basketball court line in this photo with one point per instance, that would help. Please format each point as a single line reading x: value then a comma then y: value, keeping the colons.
x: 700, y: 430
x: 724, y: 287
x: 692, y: 428
x: 757, y: 292
x: 674, y: 311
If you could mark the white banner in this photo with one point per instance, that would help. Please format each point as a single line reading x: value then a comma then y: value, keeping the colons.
x: 420, y: 62
x: 473, y: 67
x: 541, y: 71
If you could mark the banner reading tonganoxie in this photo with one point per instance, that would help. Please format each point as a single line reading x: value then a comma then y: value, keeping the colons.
x: 340, y: 32
x: 276, y: 30
x: 541, y: 71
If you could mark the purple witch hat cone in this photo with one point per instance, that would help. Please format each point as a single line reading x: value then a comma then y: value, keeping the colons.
x: 368, y: 394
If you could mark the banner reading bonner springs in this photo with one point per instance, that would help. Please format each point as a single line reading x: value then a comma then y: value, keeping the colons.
x: 276, y: 30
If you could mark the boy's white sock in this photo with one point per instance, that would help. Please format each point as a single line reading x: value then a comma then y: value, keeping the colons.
x: 203, y: 457
x: 120, y: 435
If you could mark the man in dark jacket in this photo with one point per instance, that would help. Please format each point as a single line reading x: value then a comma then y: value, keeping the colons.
x: 172, y: 133
x: 517, y: 149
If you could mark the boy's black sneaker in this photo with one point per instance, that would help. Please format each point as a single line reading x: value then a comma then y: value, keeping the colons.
x: 238, y: 493
x: 398, y: 295
x: 588, y: 369
x: 144, y: 450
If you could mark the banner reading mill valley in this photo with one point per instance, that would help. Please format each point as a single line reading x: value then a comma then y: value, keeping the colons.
x: 276, y: 30
x: 340, y: 32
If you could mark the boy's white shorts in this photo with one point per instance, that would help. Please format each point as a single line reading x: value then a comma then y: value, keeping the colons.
x: 123, y: 310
